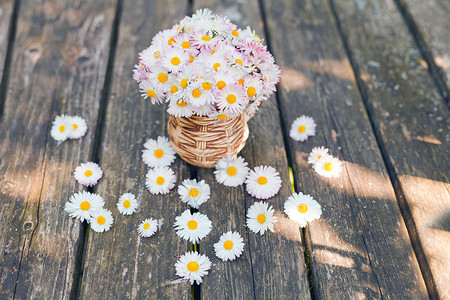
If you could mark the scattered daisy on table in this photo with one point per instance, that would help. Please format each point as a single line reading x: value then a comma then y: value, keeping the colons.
x: 148, y: 227
x: 101, y: 220
x: 328, y: 166
x: 263, y: 182
x: 302, y: 208
x: 302, y: 128
x: 160, y: 180
x: 79, y: 126
x: 127, y: 204
x: 88, y: 174
x: 61, y: 128
x: 316, y: 154
x: 260, y: 217
x: 81, y: 205
x: 158, y: 153
x: 192, y: 266
x: 229, y: 246
x: 194, y: 193
x: 192, y: 227
x: 231, y: 172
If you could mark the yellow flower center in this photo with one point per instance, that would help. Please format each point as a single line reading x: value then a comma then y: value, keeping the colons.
x: 328, y: 167
x: 181, y: 103
x: 75, y: 126
x: 157, y: 54
x: 302, y: 208
x: 173, y: 89
x: 206, y: 86
x: 146, y: 226
x: 193, y: 266
x: 206, y: 38
x: 221, y: 117
x: 151, y: 93
x: 231, y: 99
x: 239, y: 61
x: 194, y: 192
x: 214, y: 51
x: 231, y: 171
x: 256, y: 36
x: 221, y: 84
x: 170, y: 41
x: 216, y: 66
x: 262, y: 180
x: 196, y: 93
x: 62, y: 128
x: 101, y: 220
x: 162, y: 77
x: 235, y: 33
x: 251, y: 91
x: 301, y: 128
x: 160, y: 180
x: 318, y: 157
x: 186, y: 45
x: 191, y: 58
x: 85, y: 205
x: 228, y: 245
x: 126, y: 203
x: 88, y: 173
x: 175, y: 61
x: 192, y: 224
x: 261, y: 218
x: 241, y: 81
x: 184, y: 83
x: 159, y: 153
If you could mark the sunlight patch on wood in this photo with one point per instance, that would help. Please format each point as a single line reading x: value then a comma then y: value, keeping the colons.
x: 293, y: 80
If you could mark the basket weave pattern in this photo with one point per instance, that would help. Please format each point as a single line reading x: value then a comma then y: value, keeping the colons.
x: 201, y: 141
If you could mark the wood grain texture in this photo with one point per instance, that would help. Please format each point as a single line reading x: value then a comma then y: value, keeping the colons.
x: 6, y: 11
x: 430, y: 22
x: 58, y: 66
x: 360, y: 247
x: 412, y: 123
x: 119, y: 264
x: 272, y: 266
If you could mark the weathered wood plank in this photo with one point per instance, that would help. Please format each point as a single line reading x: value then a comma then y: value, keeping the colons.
x: 412, y: 124
x: 360, y: 247
x: 6, y: 11
x: 272, y: 266
x: 119, y: 264
x: 430, y: 22
x: 58, y: 66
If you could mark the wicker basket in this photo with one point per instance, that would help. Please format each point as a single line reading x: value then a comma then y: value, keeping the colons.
x: 201, y: 141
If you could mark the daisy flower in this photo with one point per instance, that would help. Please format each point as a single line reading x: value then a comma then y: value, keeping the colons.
x: 179, y: 108
x: 101, y: 220
x: 194, y: 193
x: 152, y: 89
x: 302, y: 127
x: 316, y: 154
x: 260, y: 217
x: 88, y: 174
x: 263, y: 182
x: 82, y: 204
x: 160, y: 180
x: 175, y: 59
x: 328, y: 166
x: 158, y: 153
x: 61, y: 128
x: 229, y: 246
x: 79, y: 127
x: 148, y: 227
x: 192, y: 266
x: 197, y: 96
x: 192, y: 227
x: 302, y: 208
x: 231, y: 172
x: 127, y: 204
x: 232, y: 98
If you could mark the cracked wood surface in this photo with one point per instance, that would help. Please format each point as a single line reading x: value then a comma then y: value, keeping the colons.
x: 6, y: 11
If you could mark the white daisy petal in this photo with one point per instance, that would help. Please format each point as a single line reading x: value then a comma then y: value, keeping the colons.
x: 302, y: 127
x: 302, y: 208
x: 194, y: 193
x: 263, y: 182
x: 88, y: 174
x: 231, y: 172
x: 229, y: 246
x: 101, y: 220
x: 317, y: 154
x: 158, y: 153
x: 148, y: 227
x: 79, y: 127
x: 260, y: 218
x: 61, y: 128
x: 127, y: 204
x: 192, y: 266
x: 160, y: 180
x: 328, y: 166
x: 192, y: 227
x: 82, y: 204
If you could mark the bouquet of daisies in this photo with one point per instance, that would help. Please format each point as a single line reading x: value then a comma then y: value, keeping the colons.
x: 206, y: 66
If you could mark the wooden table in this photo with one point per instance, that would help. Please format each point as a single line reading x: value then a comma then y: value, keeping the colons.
x: 373, y: 74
